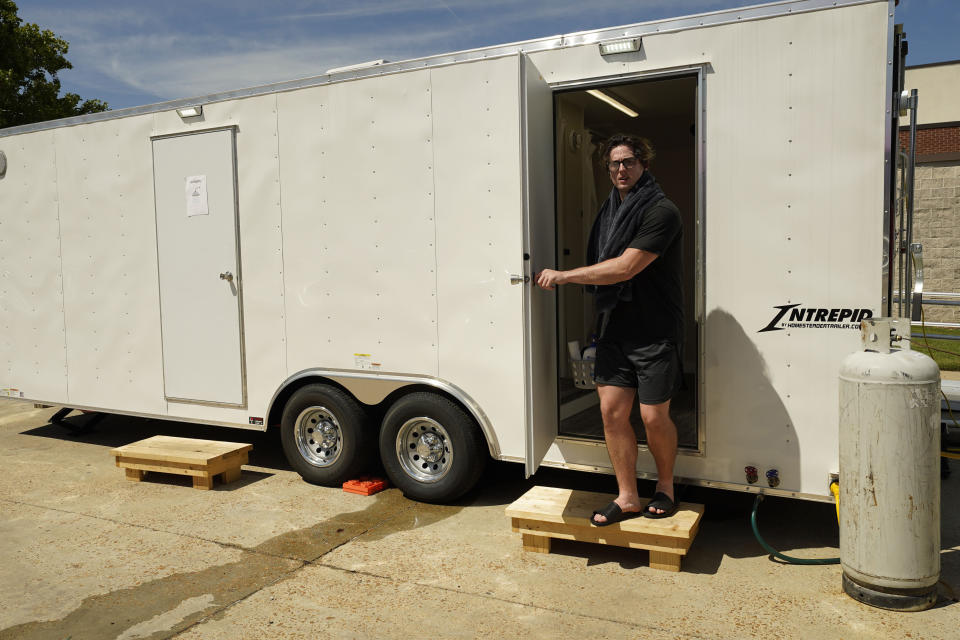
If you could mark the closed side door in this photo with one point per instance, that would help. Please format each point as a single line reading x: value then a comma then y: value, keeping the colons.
x: 199, y: 267
x: 540, y: 307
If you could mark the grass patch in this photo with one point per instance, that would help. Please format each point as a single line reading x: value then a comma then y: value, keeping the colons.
x: 946, y: 361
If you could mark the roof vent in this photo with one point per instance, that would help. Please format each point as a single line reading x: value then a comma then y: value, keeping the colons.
x: 357, y: 67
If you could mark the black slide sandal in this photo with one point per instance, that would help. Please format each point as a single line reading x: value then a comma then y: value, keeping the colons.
x: 660, y: 501
x: 613, y: 513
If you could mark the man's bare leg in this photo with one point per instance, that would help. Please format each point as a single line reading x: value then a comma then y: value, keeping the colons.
x: 615, y: 406
x: 662, y: 440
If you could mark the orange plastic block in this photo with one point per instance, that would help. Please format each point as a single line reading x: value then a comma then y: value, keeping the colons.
x: 365, y: 486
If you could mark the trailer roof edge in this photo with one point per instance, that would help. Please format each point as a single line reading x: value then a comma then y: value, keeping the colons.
x: 654, y: 27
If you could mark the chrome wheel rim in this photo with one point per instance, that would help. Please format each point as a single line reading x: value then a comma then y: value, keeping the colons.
x: 319, y: 437
x: 424, y: 449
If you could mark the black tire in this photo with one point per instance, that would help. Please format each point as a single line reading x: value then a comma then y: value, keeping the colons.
x: 325, y: 435
x: 431, y: 448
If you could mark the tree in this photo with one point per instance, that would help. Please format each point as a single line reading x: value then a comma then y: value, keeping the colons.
x: 29, y: 61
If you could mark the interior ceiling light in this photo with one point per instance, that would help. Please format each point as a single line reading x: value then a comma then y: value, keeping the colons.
x: 600, y: 95
x: 619, y: 46
x: 190, y: 112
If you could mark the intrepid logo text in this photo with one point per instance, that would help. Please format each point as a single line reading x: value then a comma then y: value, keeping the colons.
x: 815, y: 318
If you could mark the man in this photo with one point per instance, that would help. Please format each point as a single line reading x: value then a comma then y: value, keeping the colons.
x: 635, y: 264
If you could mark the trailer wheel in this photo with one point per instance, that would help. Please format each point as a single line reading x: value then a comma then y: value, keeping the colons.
x: 324, y: 434
x: 431, y: 448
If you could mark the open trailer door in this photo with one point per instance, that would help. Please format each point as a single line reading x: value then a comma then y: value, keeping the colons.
x: 539, y: 241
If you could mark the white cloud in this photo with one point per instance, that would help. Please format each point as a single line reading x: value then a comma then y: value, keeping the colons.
x: 369, y: 9
x: 157, y: 52
x: 178, y: 66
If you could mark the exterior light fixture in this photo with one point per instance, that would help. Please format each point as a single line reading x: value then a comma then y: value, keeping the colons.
x: 190, y: 112
x: 620, y: 46
x: 600, y: 95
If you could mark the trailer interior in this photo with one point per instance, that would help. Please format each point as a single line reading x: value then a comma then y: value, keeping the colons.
x: 666, y: 109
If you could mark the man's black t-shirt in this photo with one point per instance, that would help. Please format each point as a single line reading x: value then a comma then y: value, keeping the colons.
x: 655, y: 313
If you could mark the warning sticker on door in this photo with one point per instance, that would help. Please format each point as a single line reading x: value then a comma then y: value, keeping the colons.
x: 196, y: 192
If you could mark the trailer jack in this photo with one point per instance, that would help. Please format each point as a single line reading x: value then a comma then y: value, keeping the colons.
x: 77, y: 429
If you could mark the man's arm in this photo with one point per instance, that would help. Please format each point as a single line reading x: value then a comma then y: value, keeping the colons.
x: 619, y: 269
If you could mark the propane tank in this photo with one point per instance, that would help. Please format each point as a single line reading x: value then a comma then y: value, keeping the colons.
x: 890, y: 470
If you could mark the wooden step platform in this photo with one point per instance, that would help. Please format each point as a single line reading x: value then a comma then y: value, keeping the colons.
x: 202, y: 459
x: 543, y: 513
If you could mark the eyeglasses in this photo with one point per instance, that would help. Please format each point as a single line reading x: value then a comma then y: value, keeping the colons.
x: 628, y: 164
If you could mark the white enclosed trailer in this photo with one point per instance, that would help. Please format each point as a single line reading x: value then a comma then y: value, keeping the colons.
x: 350, y: 256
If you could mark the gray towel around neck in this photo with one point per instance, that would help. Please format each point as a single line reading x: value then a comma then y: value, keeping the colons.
x: 614, y: 229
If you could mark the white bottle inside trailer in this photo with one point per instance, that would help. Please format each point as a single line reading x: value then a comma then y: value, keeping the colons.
x: 890, y: 471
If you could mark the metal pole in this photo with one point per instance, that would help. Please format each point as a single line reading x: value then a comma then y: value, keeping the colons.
x: 894, y: 197
x: 902, y: 161
x: 905, y: 293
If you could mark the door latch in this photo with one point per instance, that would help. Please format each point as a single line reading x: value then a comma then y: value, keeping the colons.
x: 515, y: 279
x: 226, y: 275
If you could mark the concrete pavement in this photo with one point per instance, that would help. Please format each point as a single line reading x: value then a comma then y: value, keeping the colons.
x: 85, y: 553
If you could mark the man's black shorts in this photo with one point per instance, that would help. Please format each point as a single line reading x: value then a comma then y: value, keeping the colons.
x: 652, y: 369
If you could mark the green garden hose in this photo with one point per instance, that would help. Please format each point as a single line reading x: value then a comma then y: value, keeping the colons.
x: 774, y: 552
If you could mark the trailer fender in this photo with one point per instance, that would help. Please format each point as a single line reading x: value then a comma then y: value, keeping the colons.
x: 373, y: 388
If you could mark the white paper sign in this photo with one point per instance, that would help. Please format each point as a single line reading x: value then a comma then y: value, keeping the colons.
x: 196, y: 192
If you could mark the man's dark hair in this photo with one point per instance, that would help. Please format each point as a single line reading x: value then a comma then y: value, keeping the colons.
x: 641, y: 147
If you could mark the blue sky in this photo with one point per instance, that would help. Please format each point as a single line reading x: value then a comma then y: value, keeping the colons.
x: 138, y: 52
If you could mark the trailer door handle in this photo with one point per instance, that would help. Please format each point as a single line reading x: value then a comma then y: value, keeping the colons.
x: 515, y: 279
x: 226, y: 275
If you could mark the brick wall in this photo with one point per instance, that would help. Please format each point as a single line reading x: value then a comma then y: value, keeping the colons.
x: 936, y: 212
x: 933, y: 140
x: 936, y: 225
